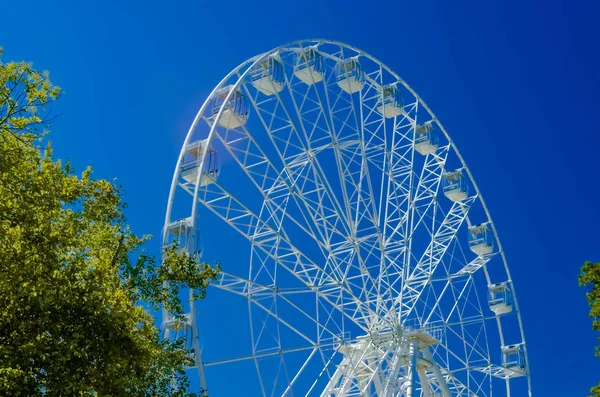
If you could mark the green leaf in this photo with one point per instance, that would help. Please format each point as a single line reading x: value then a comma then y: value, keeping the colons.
x: 72, y: 273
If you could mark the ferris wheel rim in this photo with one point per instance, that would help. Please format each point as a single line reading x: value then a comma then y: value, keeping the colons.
x: 248, y: 64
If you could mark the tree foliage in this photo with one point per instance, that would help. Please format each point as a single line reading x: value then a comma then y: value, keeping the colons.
x: 590, y: 278
x: 72, y: 277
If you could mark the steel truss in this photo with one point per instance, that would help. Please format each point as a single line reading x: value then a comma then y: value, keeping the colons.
x: 359, y: 280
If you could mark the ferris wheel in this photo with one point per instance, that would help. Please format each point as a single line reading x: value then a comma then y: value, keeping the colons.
x: 362, y: 258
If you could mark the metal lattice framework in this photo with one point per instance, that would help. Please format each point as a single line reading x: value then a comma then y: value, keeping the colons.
x: 367, y: 267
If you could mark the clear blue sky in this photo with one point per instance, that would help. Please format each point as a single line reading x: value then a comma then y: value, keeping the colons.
x: 516, y: 84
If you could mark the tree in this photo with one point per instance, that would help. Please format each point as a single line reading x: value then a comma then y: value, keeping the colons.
x: 72, y: 273
x: 590, y: 278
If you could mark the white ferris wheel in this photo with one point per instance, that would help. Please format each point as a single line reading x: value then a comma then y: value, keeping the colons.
x: 369, y: 266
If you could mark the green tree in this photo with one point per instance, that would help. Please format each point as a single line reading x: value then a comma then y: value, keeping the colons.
x: 72, y: 273
x: 590, y: 277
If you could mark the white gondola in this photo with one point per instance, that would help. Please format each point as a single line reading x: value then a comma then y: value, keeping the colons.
x: 350, y: 75
x: 235, y: 109
x: 455, y: 186
x: 189, y: 170
x: 310, y: 66
x: 481, y: 239
x: 184, y: 236
x: 513, y: 358
x: 268, y: 77
x: 390, y: 103
x: 500, y: 298
x: 180, y: 227
x: 178, y: 233
x: 180, y: 329
x: 426, y: 139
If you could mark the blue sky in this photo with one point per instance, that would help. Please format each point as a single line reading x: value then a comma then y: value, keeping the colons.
x: 515, y: 83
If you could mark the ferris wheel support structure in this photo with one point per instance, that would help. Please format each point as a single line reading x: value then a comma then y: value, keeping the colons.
x: 392, y: 356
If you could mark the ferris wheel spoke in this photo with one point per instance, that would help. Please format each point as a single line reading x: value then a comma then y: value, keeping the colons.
x: 472, y: 354
x: 290, y: 386
x: 374, y: 152
x: 435, y: 309
x: 474, y: 265
x: 476, y: 380
x: 281, y: 136
x: 281, y: 377
x: 397, y: 205
x: 468, y: 350
x: 320, y: 106
x: 432, y: 300
x: 328, y: 362
x: 268, y: 354
x: 399, y: 172
x: 424, y: 200
x: 425, y: 267
x: 311, y: 116
x: 323, y: 193
x: 431, y: 175
x: 353, y: 170
x: 257, y: 166
x: 396, y: 168
x: 448, y: 281
x: 389, y: 268
x: 282, y: 365
x: 427, y: 187
x: 276, y: 245
x: 265, y: 177
x: 332, y: 263
x: 327, y: 327
x: 317, y: 217
x: 320, y: 128
x: 257, y: 292
x: 458, y: 295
